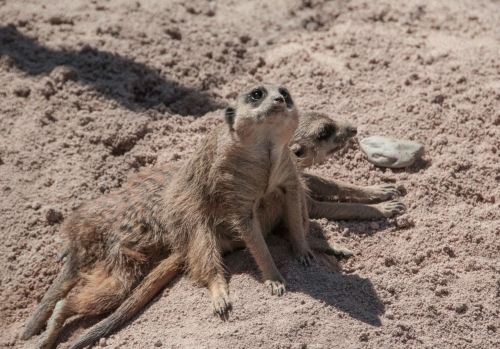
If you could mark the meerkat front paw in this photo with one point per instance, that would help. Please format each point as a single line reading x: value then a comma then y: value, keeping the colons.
x: 276, y: 287
x: 221, y: 303
x: 390, y: 208
x: 304, y: 257
x: 382, y: 192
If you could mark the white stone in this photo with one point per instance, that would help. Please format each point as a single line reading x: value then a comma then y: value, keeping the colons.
x: 391, y: 152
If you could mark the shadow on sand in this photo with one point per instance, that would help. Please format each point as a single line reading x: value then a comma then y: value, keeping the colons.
x: 133, y: 85
x: 326, y: 282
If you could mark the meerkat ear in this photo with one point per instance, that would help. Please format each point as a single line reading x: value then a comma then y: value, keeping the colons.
x: 298, y: 150
x: 229, y: 116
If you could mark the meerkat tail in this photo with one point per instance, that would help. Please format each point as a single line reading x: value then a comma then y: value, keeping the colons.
x: 65, y: 281
x: 151, y: 285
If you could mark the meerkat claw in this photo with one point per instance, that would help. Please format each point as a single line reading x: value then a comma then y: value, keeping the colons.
x: 221, y: 306
x: 276, y: 287
x: 305, y: 258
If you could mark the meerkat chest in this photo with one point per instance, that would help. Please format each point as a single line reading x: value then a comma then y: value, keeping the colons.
x: 280, y: 173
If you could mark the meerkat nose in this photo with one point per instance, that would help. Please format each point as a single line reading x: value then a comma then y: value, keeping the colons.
x: 352, y: 130
x: 279, y: 99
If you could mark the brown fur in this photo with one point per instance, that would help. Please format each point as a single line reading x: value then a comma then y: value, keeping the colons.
x: 316, y: 138
x: 118, y: 260
x: 115, y: 241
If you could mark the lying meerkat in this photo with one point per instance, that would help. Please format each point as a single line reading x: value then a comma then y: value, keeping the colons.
x: 126, y: 247
x: 318, y: 137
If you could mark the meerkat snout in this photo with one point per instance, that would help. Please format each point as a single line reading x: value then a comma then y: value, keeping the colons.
x: 278, y: 99
x: 351, y: 130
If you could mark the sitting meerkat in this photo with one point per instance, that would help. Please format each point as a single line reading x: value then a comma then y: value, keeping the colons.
x: 125, y: 247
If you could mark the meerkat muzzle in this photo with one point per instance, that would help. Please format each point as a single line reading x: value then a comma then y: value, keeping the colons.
x: 278, y: 100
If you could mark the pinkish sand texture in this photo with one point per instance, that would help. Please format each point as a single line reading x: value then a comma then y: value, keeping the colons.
x: 93, y: 90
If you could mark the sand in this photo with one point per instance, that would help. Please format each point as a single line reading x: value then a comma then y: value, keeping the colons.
x: 93, y: 90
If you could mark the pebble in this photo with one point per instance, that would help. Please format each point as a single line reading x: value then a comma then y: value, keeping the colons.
x: 102, y: 342
x: 389, y: 314
x: 404, y: 221
x: 158, y: 343
x: 391, y: 152
x: 374, y: 226
x: 53, y: 216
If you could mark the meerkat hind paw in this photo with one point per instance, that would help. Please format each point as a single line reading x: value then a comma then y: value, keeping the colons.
x: 384, y: 192
x: 339, y: 252
x: 389, y: 208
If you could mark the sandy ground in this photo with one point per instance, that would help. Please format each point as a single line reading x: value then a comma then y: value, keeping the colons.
x: 93, y: 90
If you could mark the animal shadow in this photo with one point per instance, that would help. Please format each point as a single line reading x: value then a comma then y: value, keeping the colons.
x: 349, y: 293
x: 132, y: 84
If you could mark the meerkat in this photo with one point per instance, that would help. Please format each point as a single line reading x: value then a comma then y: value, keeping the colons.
x: 125, y: 248
x: 316, y: 138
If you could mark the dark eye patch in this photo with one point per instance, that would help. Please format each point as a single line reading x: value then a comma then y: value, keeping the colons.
x: 326, y: 132
x: 256, y: 96
x: 286, y: 95
x: 229, y: 116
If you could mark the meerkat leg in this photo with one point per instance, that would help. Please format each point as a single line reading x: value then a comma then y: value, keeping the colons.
x: 321, y: 245
x: 147, y: 289
x: 219, y: 290
x: 254, y: 240
x: 347, y: 211
x: 204, y: 264
x: 294, y: 220
x: 67, y: 278
x: 101, y: 294
x: 324, y: 187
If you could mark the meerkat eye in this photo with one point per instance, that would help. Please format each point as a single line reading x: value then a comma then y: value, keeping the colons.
x: 298, y: 150
x: 326, y: 133
x: 256, y: 95
x: 284, y: 94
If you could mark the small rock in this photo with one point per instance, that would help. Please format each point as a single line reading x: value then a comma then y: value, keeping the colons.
x: 61, y: 74
x: 174, y: 33
x: 53, y: 216
x: 102, y: 342
x: 360, y: 229
x: 439, y: 99
x: 404, y: 221
x: 374, y: 226
x: 103, y: 186
x: 364, y: 337
x: 35, y: 205
x: 391, y: 152
x: 389, y: 314
x: 22, y: 91
x: 158, y: 343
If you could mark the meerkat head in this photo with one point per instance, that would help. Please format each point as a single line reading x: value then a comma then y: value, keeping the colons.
x: 317, y: 137
x: 263, y: 105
